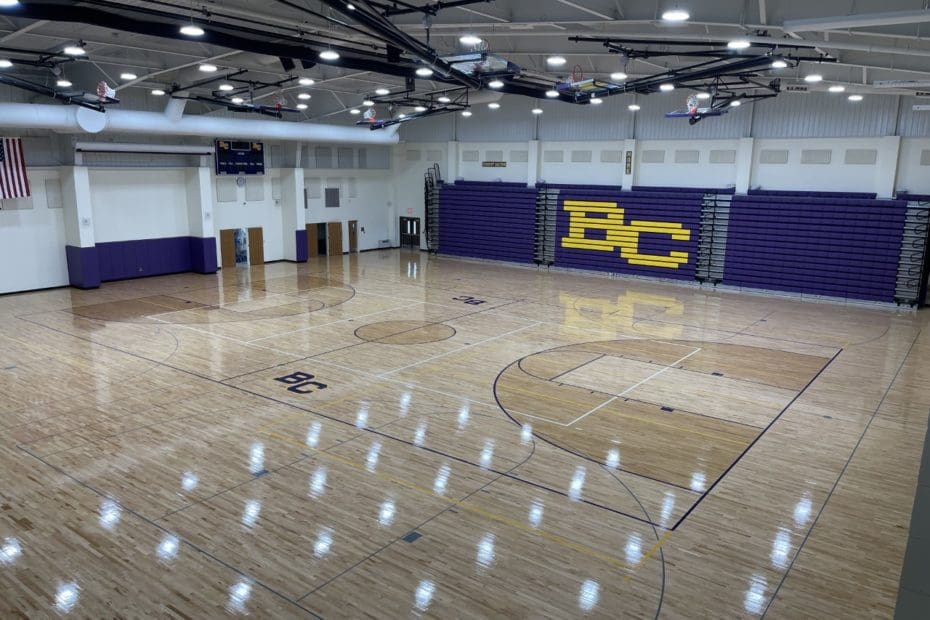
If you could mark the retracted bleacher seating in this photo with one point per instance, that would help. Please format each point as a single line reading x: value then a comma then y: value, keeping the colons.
x: 836, y: 245
x: 487, y: 220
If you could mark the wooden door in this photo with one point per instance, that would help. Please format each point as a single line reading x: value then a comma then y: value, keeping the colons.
x: 256, y: 247
x: 334, y: 233
x: 313, y: 244
x: 353, y: 236
x: 228, y: 248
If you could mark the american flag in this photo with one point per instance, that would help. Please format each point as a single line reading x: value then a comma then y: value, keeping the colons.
x: 13, y: 181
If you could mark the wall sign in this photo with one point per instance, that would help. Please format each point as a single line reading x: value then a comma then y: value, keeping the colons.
x: 629, y: 163
x: 493, y: 164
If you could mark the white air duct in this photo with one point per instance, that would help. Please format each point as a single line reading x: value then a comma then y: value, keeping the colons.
x: 75, y: 119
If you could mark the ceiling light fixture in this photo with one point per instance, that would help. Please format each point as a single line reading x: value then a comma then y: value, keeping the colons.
x: 128, y: 76
x: 302, y: 106
x: 190, y: 30
x: 736, y: 103
x: 305, y: 81
x: 470, y: 39
x: 837, y: 88
x: 424, y: 72
x: 401, y: 115
x: 368, y: 103
x: 63, y: 84
x: 303, y: 96
x: 494, y: 106
x: 466, y: 113
x: 382, y: 92
x: 208, y: 68
x: 8, y: 3
x: 158, y: 92
x: 556, y: 61
x: 813, y: 78
x: 738, y: 44
x: 74, y: 50
x: 238, y: 100
x: 703, y: 95
x: 596, y: 101
x: 226, y: 87
x: 355, y: 111
x: 537, y: 111
x: 855, y: 97
x: 779, y: 64
x: 667, y: 87
x: 5, y: 64
x: 552, y: 94
x: 675, y: 15
x: 633, y: 107
x: 419, y: 108
x: 444, y: 99
x: 496, y: 84
x: 619, y: 76
x: 329, y: 55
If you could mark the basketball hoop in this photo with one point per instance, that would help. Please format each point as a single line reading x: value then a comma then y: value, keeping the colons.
x: 577, y: 74
x: 104, y: 92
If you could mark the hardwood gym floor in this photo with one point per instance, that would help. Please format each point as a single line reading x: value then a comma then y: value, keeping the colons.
x: 392, y: 434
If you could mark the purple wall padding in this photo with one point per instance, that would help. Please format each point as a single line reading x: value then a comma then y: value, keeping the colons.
x: 682, y: 207
x: 838, y: 247
x: 487, y: 220
x: 302, y: 252
x: 203, y: 254
x: 83, y: 266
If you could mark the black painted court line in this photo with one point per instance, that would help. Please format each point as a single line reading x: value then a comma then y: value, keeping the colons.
x: 755, y: 441
x: 836, y: 483
x: 914, y: 589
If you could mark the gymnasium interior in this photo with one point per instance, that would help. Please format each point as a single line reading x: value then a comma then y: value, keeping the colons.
x: 464, y: 309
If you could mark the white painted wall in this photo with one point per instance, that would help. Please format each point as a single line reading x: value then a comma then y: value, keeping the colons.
x: 595, y: 172
x: 243, y: 213
x: 131, y: 204
x: 700, y: 174
x: 912, y: 176
x: 32, y: 240
x: 488, y: 151
x: 372, y: 203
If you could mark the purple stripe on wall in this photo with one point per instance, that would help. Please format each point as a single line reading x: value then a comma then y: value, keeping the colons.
x: 302, y: 252
x: 203, y: 254
x: 83, y: 266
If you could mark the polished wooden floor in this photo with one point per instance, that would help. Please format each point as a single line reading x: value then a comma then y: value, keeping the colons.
x: 390, y: 435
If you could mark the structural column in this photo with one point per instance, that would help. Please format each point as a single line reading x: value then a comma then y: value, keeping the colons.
x: 293, y: 219
x: 80, y: 245
x: 744, y: 154
x: 200, y: 220
x: 889, y: 152
x: 532, y: 163
x: 452, y: 163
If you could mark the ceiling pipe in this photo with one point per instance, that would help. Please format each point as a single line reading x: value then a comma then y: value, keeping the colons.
x: 73, y: 119
x: 862, y: 20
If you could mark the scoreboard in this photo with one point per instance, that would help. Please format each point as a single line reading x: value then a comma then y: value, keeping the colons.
x: 239, y: 157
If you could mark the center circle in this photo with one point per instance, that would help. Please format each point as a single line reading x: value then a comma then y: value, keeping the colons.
x: 404, y: 332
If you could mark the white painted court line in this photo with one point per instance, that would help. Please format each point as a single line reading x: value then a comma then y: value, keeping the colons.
x: 633, y: 387
x: 351, y: 318
x: 468, y: 346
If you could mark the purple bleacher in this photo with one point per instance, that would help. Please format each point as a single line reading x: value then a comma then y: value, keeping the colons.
x: 680, y: 190
x: 663, y: 205
x: 913, y: 197
x: 487, y: 220
x: 810, y: 194
x: 842, y: 245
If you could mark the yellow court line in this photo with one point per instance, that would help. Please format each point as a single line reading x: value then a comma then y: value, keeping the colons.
x: 554, y: 538
x: 649, y: 554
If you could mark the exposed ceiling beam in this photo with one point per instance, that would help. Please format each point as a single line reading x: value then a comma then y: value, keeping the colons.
x: 585, y: 9
x: 763, y: 17
x: 24, y: 30
x: 149, y: 76
x: 862, y: 20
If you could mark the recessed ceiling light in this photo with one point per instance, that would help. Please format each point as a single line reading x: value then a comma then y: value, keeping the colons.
x: 63, y: 84
x: 368, y: 103
x: 382, y: 92
x: 303, y: 96
x: 556, y: 61
x: 444, y: 99
x: 128, y: 76
x: 813, y: 78
x: 494, y: 106
x: 350, y: 6
x: 158, y: 92
x: 74, y: 50
x: 226, y: 87
x: 736, y: 103
x: 855, y: 97
x: 596, y: 101
x: 496, y: 84
x: 619, y: 76
x: 354, y: 111
x: 419, y: 108
x: 207, y: 68
x: 633, y: 107
x: 424, y: 72
x: 237, y: 100
x: 5, y: 64
x: 675, y: 15
x: 537, y: 111
x: 302, y: 106
x: 466, y: 113
x: 329, y: 55
x: 738, y: 44
x: 779, y: 64
x: 190, y: 30
x: 305, y: 81
x: 470, y: 39
x: 552, y: 94
x: 667, y: 87
x: 401, y: 115
x: 8, y: 3
x: 703, y: 95
x: 837, y: 88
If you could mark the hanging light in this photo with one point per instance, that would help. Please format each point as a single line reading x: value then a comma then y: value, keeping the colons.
x: 779, y: 64
x: 226, y: 87
x: 619, y: 76
x: 855, y: 98
x: 302, y: 106
x: 552, y: 94
x: 329, y: 55
x: 470, y: 39
x: 74, y: 50
x: 596, y: 101
x: 494, y: 106
x: 667, y: 87
x: 837, y: 88
x: 5, y: 4
x: 158, y: 92
x: 368, y: 103
x: 190, y: 30
x: 444, y: 99
x: 207, y: 68
x: 556, y: 61
x: 736, y: 103
x: 633, y: 107
x: 303, y: 96
x: 537, y: 111
x: 5, y: 64
x: 238, y: 100
x: 63, y: 83
x: 420, y: 108
x: 424, y: 72
x: 676, y: 15
x: 703, y: 95
x: 305, y: 81
x: 382, y: 92
x: 466, y: 113
x: 738, y: 44
x: 128, y: 76
x: 355, y: 111
x: 496, y: 84
x: 813, y: 78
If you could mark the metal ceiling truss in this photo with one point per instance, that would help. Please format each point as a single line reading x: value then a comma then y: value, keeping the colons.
x: 457, y: 101
x: 398, y: 7
x: 67, y: 95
